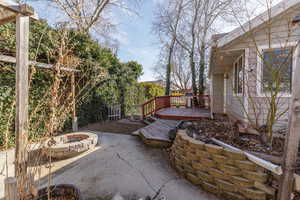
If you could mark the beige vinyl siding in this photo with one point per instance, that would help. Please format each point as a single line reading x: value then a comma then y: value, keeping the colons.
x: 278, y: 31
x: 282, y: 34
x: 234, y: 103
x: 218, y: 93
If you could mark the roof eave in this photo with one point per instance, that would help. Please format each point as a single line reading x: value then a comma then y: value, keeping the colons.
x: 257, y: 21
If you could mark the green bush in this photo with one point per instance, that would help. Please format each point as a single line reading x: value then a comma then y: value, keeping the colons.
x: 44, y: 43
x: 152, y: 90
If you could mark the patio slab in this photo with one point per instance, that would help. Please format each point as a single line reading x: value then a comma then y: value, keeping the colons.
x: 121, y: 163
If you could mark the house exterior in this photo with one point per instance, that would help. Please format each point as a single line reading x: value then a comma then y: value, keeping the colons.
x: 242, y: 64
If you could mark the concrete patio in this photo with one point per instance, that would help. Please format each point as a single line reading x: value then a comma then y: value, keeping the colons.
x: 121, y: 163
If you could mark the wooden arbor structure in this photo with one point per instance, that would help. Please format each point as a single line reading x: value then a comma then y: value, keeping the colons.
x: 21, y: 13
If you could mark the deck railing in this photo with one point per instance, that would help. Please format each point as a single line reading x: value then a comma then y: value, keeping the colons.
x: 160, y: 102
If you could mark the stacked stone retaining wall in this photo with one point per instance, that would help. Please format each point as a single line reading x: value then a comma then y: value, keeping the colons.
x: 226, y: 173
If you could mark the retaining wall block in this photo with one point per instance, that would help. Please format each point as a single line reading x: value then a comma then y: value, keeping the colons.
x: 188, y: 168
x: 192, y: 156
x: 230, y: 170
x: 180, y: 150
x: 246, y: 165
x: 221, y: 171
x: 267, y: 189
x: 226, y: 185
x: 204, y: 176
x: 233, y: 196
x: 185, y: 139
x: 203, y: 154
x: 221, y: 159
x: 254, y: 194
x: 180, y: 134
x: 193, y: 179
x: 242, y: 182
x: 255, y: 176
x: 213, y: 149
x: 197, y: 144
x: 198, y: 166
x: 208, y: 162
x: 217, y: 173
x: 210, y: 187
x: 231, y: 161
x: 178, y: 161
x: 235, y: 155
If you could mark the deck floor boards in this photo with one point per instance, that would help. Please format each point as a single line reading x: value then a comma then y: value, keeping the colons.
x: 183, y: 113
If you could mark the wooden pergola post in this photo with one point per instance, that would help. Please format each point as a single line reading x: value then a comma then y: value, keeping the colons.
x: 22, y: 38
x: 292, y: 138
x: 74, y: 117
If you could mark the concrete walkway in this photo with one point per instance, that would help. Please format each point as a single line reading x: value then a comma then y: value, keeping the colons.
x: 123, y: 164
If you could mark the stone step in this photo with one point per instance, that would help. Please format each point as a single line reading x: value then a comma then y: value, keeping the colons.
x: 159, y: 131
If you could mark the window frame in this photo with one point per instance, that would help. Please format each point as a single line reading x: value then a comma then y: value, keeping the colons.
x: 236, y: 78
x: 260, y: 65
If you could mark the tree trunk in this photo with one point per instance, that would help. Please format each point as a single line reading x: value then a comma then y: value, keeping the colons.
x: 193, y: 71
x: 201, y: 70
x: 169, y: 68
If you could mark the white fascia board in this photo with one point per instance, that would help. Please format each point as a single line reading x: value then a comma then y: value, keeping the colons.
x: 257, y: 21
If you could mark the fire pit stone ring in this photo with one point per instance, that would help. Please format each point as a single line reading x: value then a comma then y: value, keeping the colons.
x: 70, y: 145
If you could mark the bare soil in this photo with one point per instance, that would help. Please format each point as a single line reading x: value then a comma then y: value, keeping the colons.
x: 124, y: 126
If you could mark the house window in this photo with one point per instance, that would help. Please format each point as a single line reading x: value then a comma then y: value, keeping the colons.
x: 277, y: 70
x: 239, y: 75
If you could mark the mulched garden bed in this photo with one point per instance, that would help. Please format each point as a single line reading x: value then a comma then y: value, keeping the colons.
x: 223, y: 129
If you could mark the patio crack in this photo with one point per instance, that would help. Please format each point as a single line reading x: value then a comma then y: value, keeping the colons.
x: 157, y: 192
x: 163, y: 186
x: 139, y: 171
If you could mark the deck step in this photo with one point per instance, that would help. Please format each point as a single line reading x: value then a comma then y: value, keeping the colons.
x: 157, y: 134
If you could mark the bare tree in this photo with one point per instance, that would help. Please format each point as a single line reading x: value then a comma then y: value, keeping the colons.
x: 165, y: 26
x: 187, y: 35
x: 92, y: 14
x: 211, y: 10
x: 180, y: 75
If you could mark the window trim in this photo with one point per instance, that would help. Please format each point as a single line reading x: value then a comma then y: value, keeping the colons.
x: 234, y: 76
x: 260, y: 64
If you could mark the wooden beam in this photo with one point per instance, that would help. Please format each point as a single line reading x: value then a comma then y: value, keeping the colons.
x: 74, y: 117
x: 22, y: 34
x: 18, y: 8
x: 292, y: 138
x: 7, y: 19
x: 10, y: 59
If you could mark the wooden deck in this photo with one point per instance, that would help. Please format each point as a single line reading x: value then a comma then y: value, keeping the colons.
x: 183, y: 113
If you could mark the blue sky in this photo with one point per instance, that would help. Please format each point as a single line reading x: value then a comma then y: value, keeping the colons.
x: 134, y: 34
x: 136, y: 40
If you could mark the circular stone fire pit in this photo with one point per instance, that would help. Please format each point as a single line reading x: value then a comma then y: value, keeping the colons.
x: 70, y: 145
x: 58, y: 192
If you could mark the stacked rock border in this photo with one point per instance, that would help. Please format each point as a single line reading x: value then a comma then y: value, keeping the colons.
x: 221, y: 171
x: 70, y: 145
